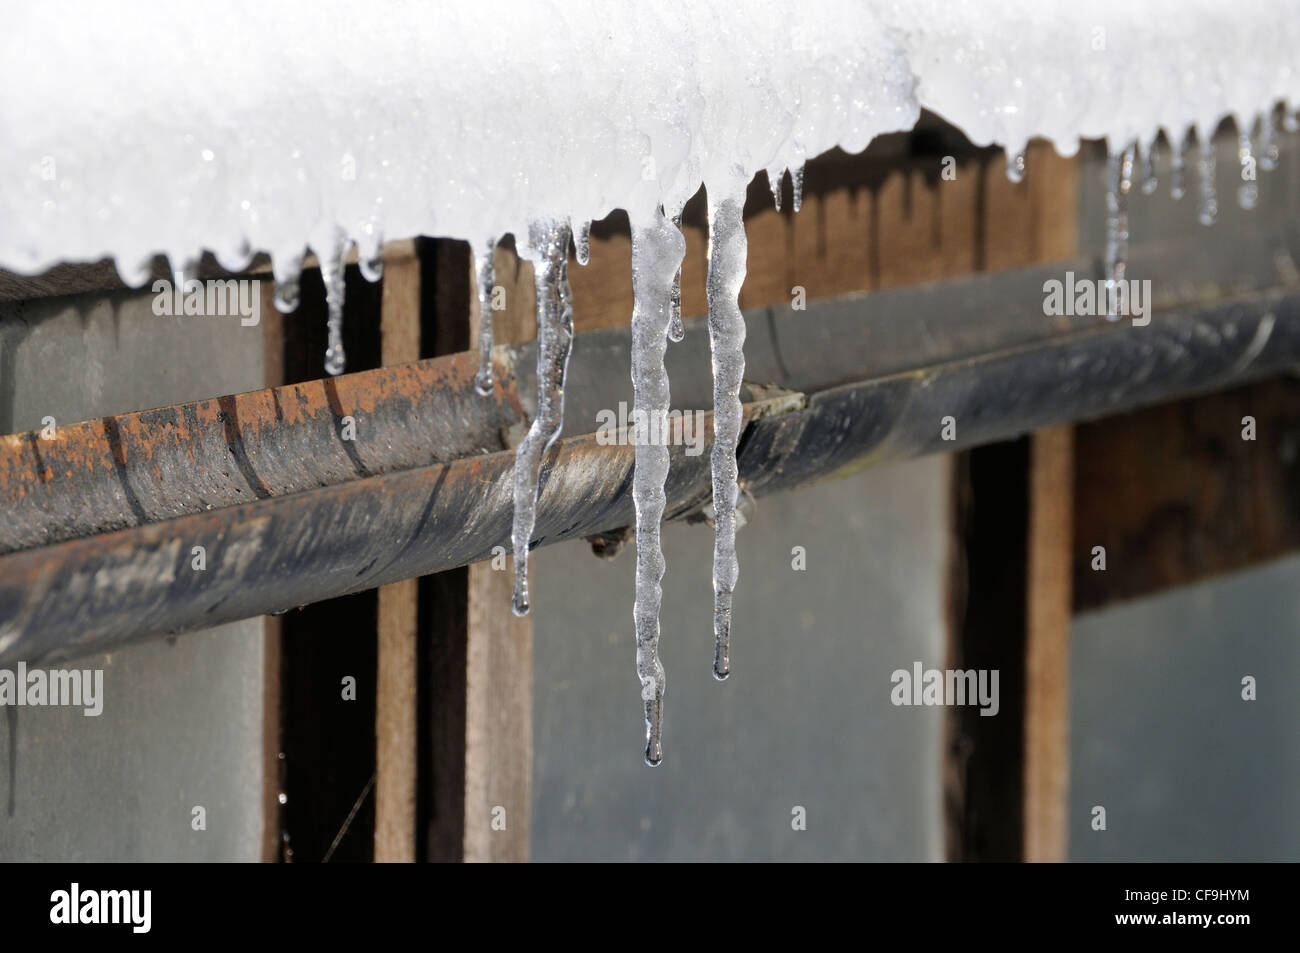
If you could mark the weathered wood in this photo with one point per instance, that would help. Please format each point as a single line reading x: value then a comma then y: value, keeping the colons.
x: 398, y: 668
x: 482, y: 682
x: 1047, y: 645
x: 1174, y: 494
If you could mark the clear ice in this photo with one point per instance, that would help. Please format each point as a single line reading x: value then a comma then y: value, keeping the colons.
x: 727, y: 250
x: 548, y: 247
x: 676, y: 329
x: 657, y: 250
x: 1119, y: 184
x: 330, y: 255
x: 1207, y: 168
x: 486, y: 276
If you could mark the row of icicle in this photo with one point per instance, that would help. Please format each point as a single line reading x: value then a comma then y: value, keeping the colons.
x: 657, y: 252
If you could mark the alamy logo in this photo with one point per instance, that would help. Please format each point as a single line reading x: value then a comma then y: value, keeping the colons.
x: 922, y: 686
x: 69, y: 688
x: 216, y: 298
x: 641, y: 428
x: 1095, y: 297
x: 133, y: 907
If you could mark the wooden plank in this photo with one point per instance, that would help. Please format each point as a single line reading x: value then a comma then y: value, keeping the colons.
x: 396, y: 717
x: 1174, y: 494
x: 481, y: 683
x: 1047, y: 645
x: 272, y: 323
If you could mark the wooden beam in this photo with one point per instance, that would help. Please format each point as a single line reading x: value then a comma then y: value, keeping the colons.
x: 1047, y: 645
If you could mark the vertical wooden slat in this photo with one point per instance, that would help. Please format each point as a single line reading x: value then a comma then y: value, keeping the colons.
x: 272, y: 324
x: 499, y: 652
x: 398, y: 668
x: 1047, y: 644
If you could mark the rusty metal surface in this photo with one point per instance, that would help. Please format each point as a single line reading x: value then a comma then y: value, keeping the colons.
x: 102, y: 522
x: 132, y: 469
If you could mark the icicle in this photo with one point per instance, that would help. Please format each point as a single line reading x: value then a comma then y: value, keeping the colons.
x: 1207, y: 168
x: 1290, y: 119
x: 796, y: 180
x: 582, y: 243
x: 775, y: 179
x: 1248, y: 191
x: 1178, y: 166
x: 330, y: 258
x: 370, y: 255
x: 657, y: 251
x: 182, y: 272
x: 727, y: 246
x: 1148, y: 176
x: 288, y: 282
x: 486, y: 281
x: 1267, y: 149
x: 1016, y: 167
x: 548, y: 243
x: 1119, y: 184
x: 677, y: 330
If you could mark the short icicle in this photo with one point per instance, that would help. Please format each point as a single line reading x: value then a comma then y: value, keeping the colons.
x: 1248, y: 191
x: 486, y: 276
x: 1207, y: 168
x: 1178, y: 166
x: 775, y: 178
x: 287, y: 271
x: 796, y: 181
x: 1119, y: 184
x: 331, y: 272
x: 727, y: 249
x: 657, y: 250
x: 676, y: 329
x: 548, y: 243
x: 1267, y: 148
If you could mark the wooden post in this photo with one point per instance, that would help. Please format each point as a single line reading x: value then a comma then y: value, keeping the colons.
x: 398, y: 667
x: 1047, y: 645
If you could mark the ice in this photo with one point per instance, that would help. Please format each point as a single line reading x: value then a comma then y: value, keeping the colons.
x: 548, y: 248
x: 486, y: 274
x: 1178, y: 171
x: 582, y: 243
x: 1247, y: 191
x: 1148, y: 176
x: 796, y: 182
x: 1267, y: 149
x: 1119, y: 185
x: 329, y: 252
x: 676, y: 329
x: 775, y: 178
x: 1016, y: 167
x: 657, y: 249
x: 1207, y: 169
x: 727, y: 248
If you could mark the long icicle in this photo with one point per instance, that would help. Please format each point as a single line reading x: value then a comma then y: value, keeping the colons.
x: 657, y: 250
x: 1119, y: 183
x: 548, y: 242
x: 727, y: 250
x: 331, y: 272
x: 486, y: 269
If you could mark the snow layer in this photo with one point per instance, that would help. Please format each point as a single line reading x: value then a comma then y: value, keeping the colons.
x: 133, y: 128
